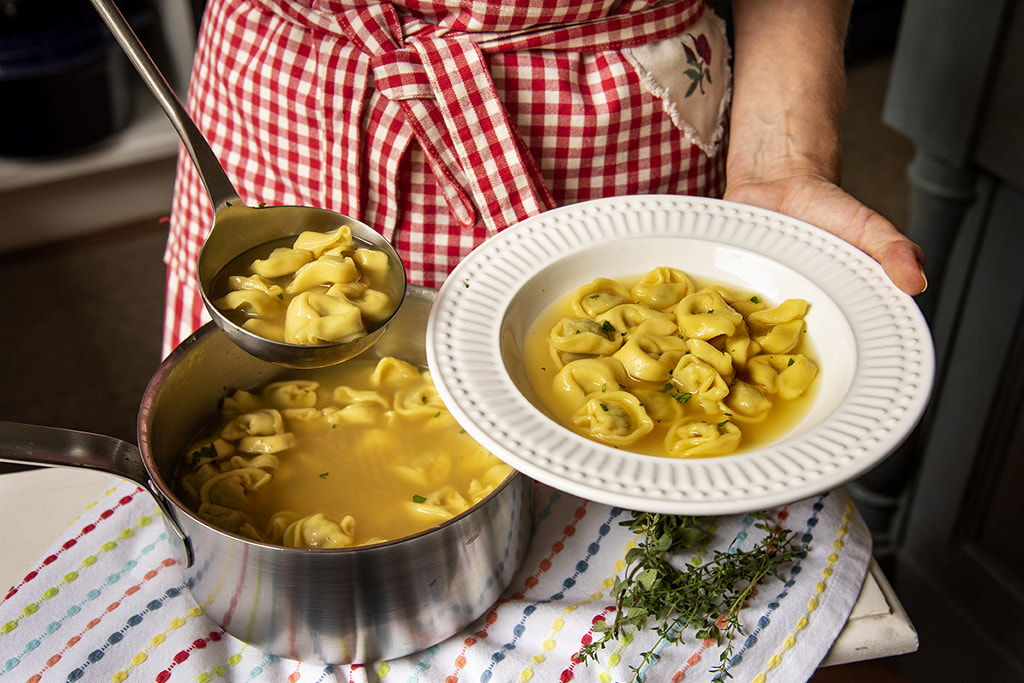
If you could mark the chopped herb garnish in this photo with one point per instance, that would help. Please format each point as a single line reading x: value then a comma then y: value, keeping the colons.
x: 603, y: 407
x: 755, y: 300
x: 608, y: 327
x: 791, y: 361
x: 416, y: 498
x: 323, y: 475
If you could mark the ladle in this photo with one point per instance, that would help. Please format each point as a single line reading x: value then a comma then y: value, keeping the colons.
x: 237, y: 228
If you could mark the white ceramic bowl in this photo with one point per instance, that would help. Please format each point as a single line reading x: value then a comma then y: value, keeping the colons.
x: 874, y: 349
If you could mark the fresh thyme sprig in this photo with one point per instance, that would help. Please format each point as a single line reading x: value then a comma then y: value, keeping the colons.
x: 704, y: 596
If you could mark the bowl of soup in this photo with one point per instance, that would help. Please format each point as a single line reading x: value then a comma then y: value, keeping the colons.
x: 680, y: 355
x: 292, y: 572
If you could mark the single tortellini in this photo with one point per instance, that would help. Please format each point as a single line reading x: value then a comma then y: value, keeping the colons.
x: 786, y: 375
x: 439, y: 505
x: 779, y: 329
x: 584, y: 336
x: 702, y: 437
x: 662, y: 288
x: 373, y: 264
x: 625, y: 319
x: 721, y: 361
x: 281, y: 262
x: 598, y: 296
x: 254, y: 296
x: 290, y: 394
x: 264, y: 422
x: 240, y: 402
x: 231, y: 489
x: 316, y: 318
x: 704, y: 385
x: 326, y: 270
x: 375, y: 305
x: 578, y: 379
x: 616, y: 417
x: 318, y: 243
x: 788, y: 310
x: 391, y: 371
x: 420, y: 401
x: 781, y: 338
x: 495, y: 474
x: 320, y: 531
x: 430, y: 508
x: 210, y: 451
x: 650, y: 357
x: 747, y: 403
x: 705, y: 315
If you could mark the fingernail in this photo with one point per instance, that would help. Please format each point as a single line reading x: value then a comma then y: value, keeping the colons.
x: 924, y: 278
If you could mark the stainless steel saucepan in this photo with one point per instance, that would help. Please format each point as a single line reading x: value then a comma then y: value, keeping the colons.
x: 349, y: 605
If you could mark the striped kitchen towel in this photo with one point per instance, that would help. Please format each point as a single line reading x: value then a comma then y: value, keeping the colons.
x: 108, y: 603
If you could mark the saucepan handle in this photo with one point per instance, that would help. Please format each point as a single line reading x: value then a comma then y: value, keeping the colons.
x: 55, y: 447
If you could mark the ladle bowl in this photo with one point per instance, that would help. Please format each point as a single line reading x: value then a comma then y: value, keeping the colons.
x: 238, y: 228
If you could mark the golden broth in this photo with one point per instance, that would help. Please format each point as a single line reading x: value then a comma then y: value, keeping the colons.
x: 372, y: 449
x: 543, y: 363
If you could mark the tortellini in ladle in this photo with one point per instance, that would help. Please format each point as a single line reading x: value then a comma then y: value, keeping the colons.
x: 664, y: 367
x: 322, y: 289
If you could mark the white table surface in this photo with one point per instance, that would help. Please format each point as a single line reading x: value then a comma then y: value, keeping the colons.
x: 878, y: 625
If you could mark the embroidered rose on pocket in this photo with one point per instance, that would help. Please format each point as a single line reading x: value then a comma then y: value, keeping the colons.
x: 698, y: 56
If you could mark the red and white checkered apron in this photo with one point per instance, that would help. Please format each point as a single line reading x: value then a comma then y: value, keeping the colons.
x: 438, y: 123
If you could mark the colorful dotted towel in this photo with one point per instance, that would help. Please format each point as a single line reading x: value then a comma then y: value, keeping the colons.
x: 107, y: 603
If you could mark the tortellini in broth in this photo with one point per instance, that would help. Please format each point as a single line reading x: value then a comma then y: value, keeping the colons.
x: 359, y: 453
x: 323, y: 288
x: 661, y: 366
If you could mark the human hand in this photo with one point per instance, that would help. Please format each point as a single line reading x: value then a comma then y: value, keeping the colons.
x: 821, y: 202
x: 784, y: 149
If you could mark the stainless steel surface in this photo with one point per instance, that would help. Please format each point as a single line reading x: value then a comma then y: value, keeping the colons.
x: 333, y: 606
x: 53, y: 447
x: 237, y: 228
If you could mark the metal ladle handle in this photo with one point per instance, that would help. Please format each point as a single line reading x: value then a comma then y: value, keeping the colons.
x: 218, y: 185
